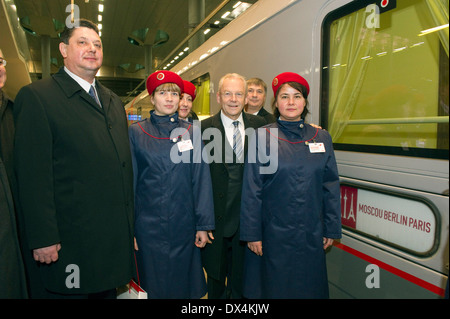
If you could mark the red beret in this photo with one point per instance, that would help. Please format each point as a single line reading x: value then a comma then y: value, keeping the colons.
x: 288, y: 77
x: 161, y: 77
x: 190, y: 89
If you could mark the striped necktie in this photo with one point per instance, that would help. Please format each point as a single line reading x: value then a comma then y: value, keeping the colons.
x: 94, y: 96
x: 237, y: 141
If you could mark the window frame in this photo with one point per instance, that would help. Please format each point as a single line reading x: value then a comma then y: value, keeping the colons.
x: 324, y: 97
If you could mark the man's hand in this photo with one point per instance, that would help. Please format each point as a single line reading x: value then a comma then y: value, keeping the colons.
x: 256, y: 247
x: 47, y: 254
x: 201, y: 238
x: 327, y: 242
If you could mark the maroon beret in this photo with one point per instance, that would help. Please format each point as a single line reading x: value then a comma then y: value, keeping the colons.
x: 288, y: 77
x: 161, y: 77
x: 190, y: 89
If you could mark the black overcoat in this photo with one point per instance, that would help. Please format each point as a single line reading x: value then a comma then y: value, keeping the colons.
x: 12, y: 274
x: 75, y: 183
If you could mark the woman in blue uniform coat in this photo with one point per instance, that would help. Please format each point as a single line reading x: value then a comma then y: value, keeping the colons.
x: 173, y: 196
x: 185, y: 111
x: 291, y: 216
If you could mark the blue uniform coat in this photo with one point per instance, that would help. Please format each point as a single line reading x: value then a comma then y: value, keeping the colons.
x: 290, y: 211
x: 173, y: 200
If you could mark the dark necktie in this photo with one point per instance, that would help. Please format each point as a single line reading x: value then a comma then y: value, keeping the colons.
x: 237, y: 141
x: 94, y: 96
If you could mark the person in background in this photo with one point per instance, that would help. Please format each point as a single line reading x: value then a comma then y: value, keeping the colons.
x: 75, y: 182
x: 223, y: 259
x: 256, y: 98
x: 12, y: 273
x: 291, y: 216
x: 173, y: 197
x: 185, y: 111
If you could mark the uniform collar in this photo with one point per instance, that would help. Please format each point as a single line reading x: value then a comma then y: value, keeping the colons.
x: 295, y: 128
x: 161, y: 119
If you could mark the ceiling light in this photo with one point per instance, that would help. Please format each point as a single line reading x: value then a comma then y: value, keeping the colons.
x: 400, y: 49
x: 417, y: 44
x: 99, y: 18
x: 239, y: 9
x: 424, y: 32
x: 226, y: 15
x: 100, y: 7
x: 207, y: 31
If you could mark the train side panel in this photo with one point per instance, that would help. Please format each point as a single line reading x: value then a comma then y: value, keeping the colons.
x: 399, y: 249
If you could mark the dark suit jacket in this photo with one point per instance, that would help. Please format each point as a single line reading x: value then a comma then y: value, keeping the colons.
x: 75, y: 182
x: 269, y: 117
x: 220, y: 177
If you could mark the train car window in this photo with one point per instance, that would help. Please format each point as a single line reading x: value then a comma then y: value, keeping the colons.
x: 201, y: 105
x: 409, y: 224
x: 385, y: 82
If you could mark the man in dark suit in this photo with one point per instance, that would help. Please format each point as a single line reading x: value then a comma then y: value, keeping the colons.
x: 74, y: 171
x: 12, y: 274
x: 223, y: 259
x: 256, y: 98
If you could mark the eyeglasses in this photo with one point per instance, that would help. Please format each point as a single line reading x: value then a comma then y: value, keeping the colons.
x: 229, y: 95
x: 3, y: 61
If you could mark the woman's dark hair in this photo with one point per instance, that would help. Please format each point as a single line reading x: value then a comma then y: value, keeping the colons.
x: 67, y: 32
x: 297, y: 86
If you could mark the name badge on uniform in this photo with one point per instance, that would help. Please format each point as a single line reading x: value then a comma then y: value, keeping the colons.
x: 185, y: 145
x: 316, y: 147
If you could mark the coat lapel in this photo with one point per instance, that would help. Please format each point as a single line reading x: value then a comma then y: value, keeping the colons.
x: 104, y: 95
x: 70, y: 87
x: 217, y: 123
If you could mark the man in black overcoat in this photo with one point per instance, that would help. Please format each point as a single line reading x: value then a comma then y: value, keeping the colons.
x: 12, y: 274
x: 224, y: 258
x: 74, y: 174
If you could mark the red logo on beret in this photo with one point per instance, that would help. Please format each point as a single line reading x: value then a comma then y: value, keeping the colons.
x: 160, y: 76
x: 275, y: 82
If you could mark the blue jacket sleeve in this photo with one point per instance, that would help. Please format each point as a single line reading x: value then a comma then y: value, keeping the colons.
x: 251, y: 202
x: 331, y: 196
x: 202, y: 186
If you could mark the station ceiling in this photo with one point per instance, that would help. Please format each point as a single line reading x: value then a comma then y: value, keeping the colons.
x: 151, y: 21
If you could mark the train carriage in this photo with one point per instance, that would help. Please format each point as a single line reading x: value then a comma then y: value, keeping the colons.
x: 379, y: 84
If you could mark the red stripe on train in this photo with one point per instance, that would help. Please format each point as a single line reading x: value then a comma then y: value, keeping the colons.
x: 422, y: 283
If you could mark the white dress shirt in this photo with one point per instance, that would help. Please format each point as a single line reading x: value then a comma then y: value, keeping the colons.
x: 82, y: 82
x: 229, y: 128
